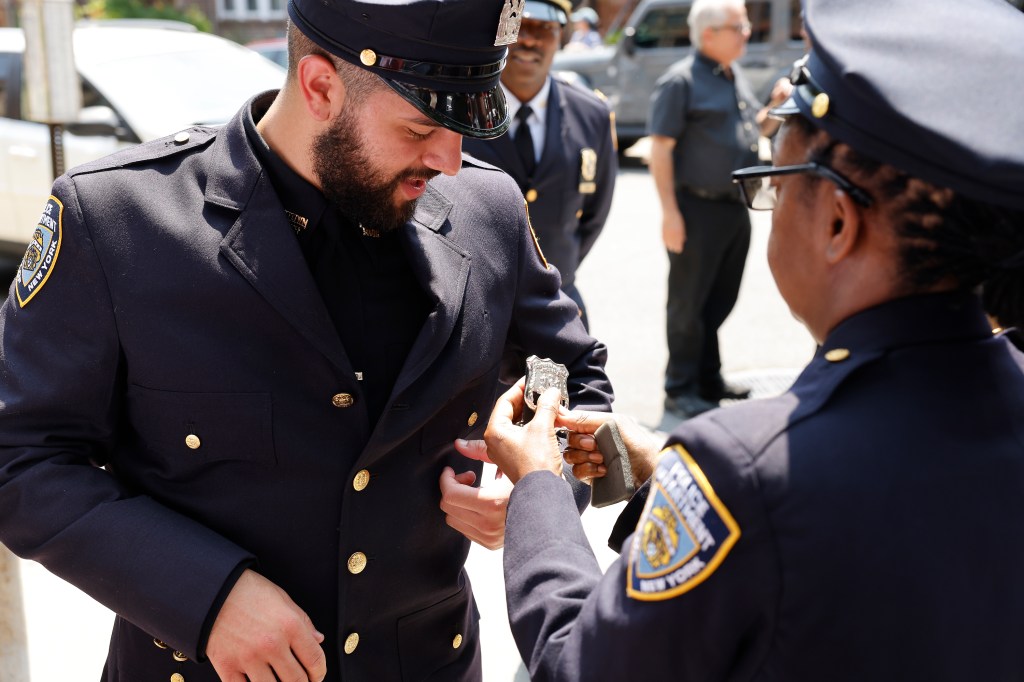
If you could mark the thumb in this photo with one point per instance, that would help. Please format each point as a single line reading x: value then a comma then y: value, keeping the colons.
x: 473, y: 449
x: 547, y: 409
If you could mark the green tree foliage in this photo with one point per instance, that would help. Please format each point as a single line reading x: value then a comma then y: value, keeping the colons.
x: 142, y: 9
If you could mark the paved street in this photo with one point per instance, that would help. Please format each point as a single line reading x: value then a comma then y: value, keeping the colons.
x: 623, y: 282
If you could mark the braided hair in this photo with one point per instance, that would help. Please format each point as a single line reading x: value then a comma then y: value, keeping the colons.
x: 945, y: 238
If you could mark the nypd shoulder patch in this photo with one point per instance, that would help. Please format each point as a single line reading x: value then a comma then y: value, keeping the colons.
x: 41, y: 254
x: 684, y: 534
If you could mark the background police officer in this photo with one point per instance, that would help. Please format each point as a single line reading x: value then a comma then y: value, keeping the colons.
x: 560, y: 147
x: 864, y: 525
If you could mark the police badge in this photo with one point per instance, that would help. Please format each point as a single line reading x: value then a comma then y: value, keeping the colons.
x: 542, y: 374
x: 508, y: 23
x: 588, y: 171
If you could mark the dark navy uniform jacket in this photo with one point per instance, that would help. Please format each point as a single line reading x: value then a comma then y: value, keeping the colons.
x: 865, y: 525
x: 570, y: 193
x: 180, y: 341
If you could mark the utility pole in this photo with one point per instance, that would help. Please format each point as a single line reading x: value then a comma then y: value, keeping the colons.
x: 54, y: 94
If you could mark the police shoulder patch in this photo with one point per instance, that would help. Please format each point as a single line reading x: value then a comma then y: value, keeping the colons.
x: 41, y: 254
x: 684, y: 533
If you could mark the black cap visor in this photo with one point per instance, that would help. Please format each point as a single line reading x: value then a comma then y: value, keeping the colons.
x: 474, y: 114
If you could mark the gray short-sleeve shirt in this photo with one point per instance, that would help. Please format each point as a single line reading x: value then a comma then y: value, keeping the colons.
x: 712, y: 118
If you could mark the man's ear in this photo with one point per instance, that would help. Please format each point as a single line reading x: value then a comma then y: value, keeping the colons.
x: 322, y: 88
x: 846, y: 228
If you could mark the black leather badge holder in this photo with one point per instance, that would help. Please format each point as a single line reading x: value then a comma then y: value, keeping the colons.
x: 617, y: 483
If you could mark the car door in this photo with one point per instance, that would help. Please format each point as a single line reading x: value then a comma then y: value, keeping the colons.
x: 659, y: 38
x: 26, y: 169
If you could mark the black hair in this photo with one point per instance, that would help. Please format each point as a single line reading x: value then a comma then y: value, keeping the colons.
x: 358, y: 81
x: 944, y: 237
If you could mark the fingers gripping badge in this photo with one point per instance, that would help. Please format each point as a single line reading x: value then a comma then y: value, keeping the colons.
x: 684, y: 534
x: 41, y: 254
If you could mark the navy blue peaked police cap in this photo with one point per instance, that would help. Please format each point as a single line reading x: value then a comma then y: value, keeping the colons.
x: 935, y: 89
x: 443, y: 56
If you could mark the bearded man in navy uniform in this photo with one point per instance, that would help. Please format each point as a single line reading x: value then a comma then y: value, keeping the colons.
x: 269, y: 336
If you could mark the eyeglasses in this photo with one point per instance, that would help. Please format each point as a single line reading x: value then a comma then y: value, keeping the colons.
x: 742, y: 27
x: 759, y: 192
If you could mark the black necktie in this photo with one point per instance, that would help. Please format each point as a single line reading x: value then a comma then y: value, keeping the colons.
x: 524, y: 140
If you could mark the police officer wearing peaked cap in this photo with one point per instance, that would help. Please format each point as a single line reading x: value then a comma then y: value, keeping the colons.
x: 444, y: 56
x: 863, y: 525
x: 560, y: 147
x: 271, y: 333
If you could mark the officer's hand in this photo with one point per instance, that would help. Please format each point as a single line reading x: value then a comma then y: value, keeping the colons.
x: 477, y: 513
x: 261, y: 635
x: 585, y: 456
x: 781, y: 91
x: 673, y: 231
x: 519, y: 450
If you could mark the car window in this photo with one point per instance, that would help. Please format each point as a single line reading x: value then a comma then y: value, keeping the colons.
x: 663, y: 27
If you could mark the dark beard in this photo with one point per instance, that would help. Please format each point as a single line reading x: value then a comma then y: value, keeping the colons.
x: 348, y: 178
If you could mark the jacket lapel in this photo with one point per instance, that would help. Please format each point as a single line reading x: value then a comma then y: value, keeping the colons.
x: 262, y: 246
x: 442, y: 269
x: 554, y: 132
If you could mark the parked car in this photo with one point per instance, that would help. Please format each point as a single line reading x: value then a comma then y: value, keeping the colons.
x: 656, y: 35
x: 274, y: 49
x: 140, y: 80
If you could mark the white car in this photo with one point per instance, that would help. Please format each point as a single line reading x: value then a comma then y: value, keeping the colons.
x: 140, y: 81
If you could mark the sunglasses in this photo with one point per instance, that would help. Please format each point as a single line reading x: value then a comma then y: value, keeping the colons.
x: 759, y: 192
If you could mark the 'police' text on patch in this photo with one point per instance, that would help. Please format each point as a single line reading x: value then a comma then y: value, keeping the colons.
x: 684, y: 534
x: 41, y: 255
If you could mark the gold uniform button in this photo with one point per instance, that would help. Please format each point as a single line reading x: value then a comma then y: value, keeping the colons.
x: 159, y: 644
x: 579, y: 214
x: 179, y: 657
x: 368, y: 57
x: 819, y: 106
x: 837, y: 354
x: 473, y: 419
x: 531, y: 195
x: 356, y: 563
x: 181, y: 138
x: 351, y: 642
x: 192, y: 441
x: 361, y: 480
x: 342, y: 400
x: 177, y: 677
x: 457, y: 642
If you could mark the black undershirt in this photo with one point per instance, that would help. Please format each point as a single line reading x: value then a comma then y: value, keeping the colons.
x: 367, y: 283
